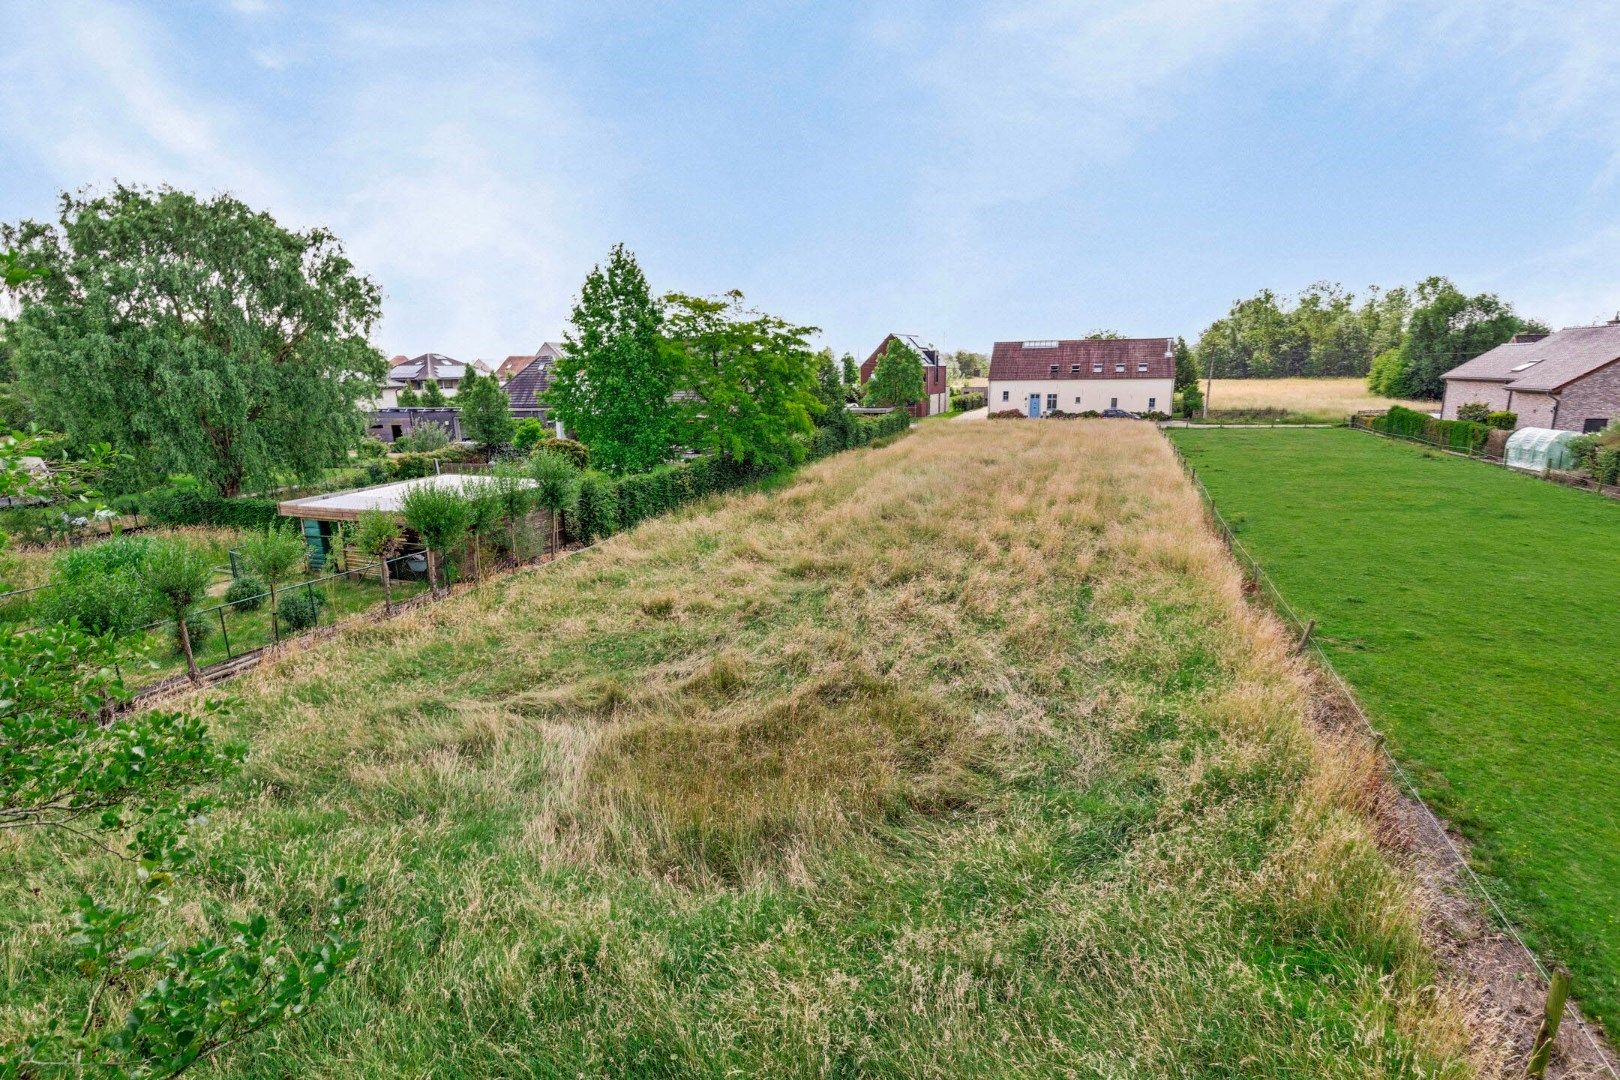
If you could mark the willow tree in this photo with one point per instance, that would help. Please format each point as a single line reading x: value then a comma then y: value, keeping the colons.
x: 197, y: 335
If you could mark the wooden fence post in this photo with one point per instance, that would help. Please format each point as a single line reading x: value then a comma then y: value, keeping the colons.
x: 1305, y: 638
x: 1557, y: 996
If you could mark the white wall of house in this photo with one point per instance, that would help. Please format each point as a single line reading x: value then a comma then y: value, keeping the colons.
x: 938, y: 403
x: 1461, y: 392
x: 1080, y: 395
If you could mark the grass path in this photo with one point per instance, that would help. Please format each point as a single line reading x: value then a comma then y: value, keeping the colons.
x: 962, y: 757
x: 1477, y: 613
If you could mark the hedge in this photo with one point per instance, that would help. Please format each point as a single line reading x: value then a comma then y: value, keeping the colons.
x: 608, y: 504
x: 178, y: 506
x: 1456, y: 434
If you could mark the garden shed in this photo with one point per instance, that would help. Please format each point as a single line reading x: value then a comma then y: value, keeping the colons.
x: 1540, y: 449
x: 320, y: 513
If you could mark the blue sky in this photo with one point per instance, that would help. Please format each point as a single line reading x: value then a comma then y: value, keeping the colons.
x: 965, y: 171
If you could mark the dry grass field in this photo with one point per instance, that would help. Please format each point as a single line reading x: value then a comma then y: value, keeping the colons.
x: 964, y: 756
x: 1321, y: 400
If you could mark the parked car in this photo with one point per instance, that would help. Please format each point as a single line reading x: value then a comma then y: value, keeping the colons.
x: 1119, y: 414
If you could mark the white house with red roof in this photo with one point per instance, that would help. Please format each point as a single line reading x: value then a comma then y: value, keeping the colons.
x: 1041, y: 377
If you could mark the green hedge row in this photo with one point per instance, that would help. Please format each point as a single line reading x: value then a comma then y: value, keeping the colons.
x: 179, y: 506
x: 608, y: 504
x: 1456, y: 434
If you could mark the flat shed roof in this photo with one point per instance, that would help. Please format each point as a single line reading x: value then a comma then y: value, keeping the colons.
x: 347, y: 505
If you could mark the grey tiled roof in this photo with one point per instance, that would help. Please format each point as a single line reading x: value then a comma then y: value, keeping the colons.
x: 1549, y: 364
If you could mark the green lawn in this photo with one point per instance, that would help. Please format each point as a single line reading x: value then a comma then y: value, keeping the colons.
x: 1477, y: 614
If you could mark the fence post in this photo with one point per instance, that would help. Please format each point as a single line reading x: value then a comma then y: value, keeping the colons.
x: 224, y: 633
x: 1557, y: 995
x: 1305, y: 638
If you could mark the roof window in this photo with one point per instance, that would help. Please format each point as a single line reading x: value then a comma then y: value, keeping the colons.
x: 1526, y: 364
x: 1040, y: 344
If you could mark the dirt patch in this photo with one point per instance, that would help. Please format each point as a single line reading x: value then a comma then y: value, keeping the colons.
x: 1500, y: 983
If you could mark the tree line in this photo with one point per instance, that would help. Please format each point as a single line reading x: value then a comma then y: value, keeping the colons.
x: 1403, y: 340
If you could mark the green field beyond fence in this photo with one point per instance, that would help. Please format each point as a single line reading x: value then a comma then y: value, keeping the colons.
x: 1477, y: 614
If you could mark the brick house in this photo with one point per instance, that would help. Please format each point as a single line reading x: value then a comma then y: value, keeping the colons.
x: 547, y: 352
x: 935, y: 385
x: 1568, y: 380
x: 1041, y: 377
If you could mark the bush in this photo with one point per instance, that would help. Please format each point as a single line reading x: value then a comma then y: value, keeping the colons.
x: 526, y: 433
x: 1456, y: 434
x: 1475, y: 411
x: 575, y: 451
x: 967, y: 402
x: 597, y: 513
x: 1008, y: 414
x: 371, y: 448
x: 98, y: 587
x: 425, y: 437
x: 300, y: 609
x: 1502, y: 421
x: 199, y: 625
x: 1192, y: 400
x: 185, y: 505
x: 1606, y: 465
x: 246, y: 593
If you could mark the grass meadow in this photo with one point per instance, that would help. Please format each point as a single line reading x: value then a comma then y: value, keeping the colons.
x: 959, y: 757
x: 1323, y: 401
x: 1477, y: 613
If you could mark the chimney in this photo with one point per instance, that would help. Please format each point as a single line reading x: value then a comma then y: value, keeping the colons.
x: 1614, y: 321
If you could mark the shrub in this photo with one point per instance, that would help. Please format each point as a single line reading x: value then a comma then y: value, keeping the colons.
x: 99, y: 587
x: 424, y: 438
x: 199, y: 625
x: 577, y: 452
x: 556, y: 487
x: 371, y: 448
x: 1477, y: 411
x: 274, y: 555
x: 1606, y: 465
x: 1456, y: 434
x: 967, y: 402
x: 597, y: 512
x: 1008, y: 414
x: 1502, y: 421
x: 526, y: 433
x: 437, y: 513
x: 186, y: 505
x: 300, y: 609
x: 1192, y: 400
x: 246, y: 593
x: 1089, y: 414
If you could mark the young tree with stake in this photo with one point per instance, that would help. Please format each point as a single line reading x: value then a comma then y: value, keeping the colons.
x: 378, y: 534
x: 556, y: 488
x: 512, y: 492
x: 483, y: 514
x: 437, y: 513
x: 179, y: 574
x: 276, y: 555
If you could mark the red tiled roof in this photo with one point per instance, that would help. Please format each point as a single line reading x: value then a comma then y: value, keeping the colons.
x: 511, y: 366
x: 1079, y: 359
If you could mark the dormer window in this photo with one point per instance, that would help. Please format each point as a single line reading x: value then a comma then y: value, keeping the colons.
x: 1054, y: 369
x: 1142, y: 368
x: 1119, y: 368
x: 1096, y: 369
x: 1074, y: 369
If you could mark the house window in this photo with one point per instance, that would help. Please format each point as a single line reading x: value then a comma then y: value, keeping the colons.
x: 1152, y: 404
x: 1004, y: 395
x: 1591, y: 426
x: 1077, y: 399
x: 1074, y: 369
x: 1119, y: 367
x: 1051, y: 402
x: 1096, y: 369
x: 1054, y: 369
x: 1113, y: 403
x: 1142, y: 368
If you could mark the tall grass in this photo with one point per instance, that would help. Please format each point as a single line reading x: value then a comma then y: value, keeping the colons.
x: 1323, y: 400
x: 960, y: 757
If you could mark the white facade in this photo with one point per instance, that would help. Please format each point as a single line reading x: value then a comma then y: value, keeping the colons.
x: 1081, y: 395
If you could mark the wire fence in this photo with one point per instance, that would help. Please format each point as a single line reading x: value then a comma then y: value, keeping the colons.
x: 1256, y: 574
x: 1578, y: 481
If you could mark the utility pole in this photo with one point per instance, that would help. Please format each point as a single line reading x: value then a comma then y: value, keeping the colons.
x: 1209, y: 383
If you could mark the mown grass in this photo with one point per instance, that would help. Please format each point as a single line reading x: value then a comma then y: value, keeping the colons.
x: 1298, y: 401
x: 964, y: 756
x: 1477, y: 613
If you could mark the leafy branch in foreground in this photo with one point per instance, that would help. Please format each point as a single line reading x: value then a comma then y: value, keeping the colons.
x: 66, y: 764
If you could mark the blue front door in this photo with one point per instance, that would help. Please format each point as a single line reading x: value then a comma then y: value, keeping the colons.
x: 1034, y: 406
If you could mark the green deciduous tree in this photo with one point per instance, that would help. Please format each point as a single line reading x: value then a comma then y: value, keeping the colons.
x: 751, y: 379
x: 556, y: 488
x: 971, y: 365
x: 178, y: 573
x: 377, y: 533
x: 197, y: 335
x: 432, y: 396
x: 613, y: 386
x: 850, y: 370
x: 509, y: 487
x: 1446, y: 327
x: 437, y: 513
x: 408, y: 398
x: 486, y: 414
x: 1186, y: 365
x: 897, y: 379
x: 275, y: 555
